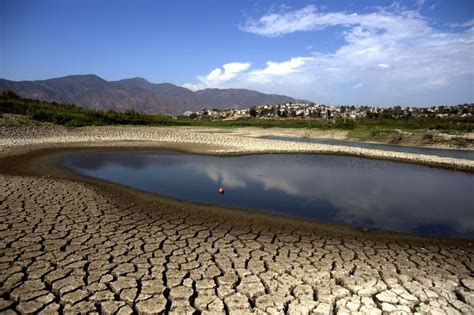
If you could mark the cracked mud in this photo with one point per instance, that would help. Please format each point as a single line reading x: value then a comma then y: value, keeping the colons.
x: 66, y: 247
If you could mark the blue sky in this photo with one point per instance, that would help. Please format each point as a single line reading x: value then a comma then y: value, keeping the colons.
x: 341, y: 52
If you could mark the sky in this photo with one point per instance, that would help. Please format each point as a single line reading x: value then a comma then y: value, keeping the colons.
x: 379, y: 53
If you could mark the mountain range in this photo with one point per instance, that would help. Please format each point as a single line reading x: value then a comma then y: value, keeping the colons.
x: 138, y: 94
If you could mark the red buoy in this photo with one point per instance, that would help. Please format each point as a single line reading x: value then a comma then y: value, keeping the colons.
x: 221, y: 190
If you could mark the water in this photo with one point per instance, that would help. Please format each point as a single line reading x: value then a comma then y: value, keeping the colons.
x: 350, y: 190
x: 458, y: 154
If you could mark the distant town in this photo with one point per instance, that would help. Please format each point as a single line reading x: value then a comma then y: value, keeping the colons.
x: 323, y: 111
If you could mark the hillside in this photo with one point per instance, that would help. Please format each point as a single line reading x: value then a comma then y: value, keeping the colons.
x: 93, y: 92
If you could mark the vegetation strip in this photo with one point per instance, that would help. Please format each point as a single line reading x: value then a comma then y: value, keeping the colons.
x: 73, y: 116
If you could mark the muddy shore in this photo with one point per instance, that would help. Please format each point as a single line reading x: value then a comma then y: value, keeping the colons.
x: 215, y: 142
x: 74, y: 244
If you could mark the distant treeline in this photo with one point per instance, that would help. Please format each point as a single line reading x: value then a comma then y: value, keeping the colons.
x: 73, y: 116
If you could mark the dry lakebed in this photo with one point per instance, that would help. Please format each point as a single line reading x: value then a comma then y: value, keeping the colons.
x: 74, y: 244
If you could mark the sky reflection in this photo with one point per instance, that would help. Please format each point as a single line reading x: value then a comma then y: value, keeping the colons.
x: 357, y: 191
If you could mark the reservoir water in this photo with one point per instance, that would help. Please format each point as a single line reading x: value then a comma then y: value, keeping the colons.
x: 350, y: 190
x: 458, y: 154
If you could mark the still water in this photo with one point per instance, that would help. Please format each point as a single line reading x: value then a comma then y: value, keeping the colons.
x: 350, y: 190
x: 458, y: 154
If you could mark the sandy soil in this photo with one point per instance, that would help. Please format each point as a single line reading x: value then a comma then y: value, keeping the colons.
x: 232, y: 142
x: 75, y: 245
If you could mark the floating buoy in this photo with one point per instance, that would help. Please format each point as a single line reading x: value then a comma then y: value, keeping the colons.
x: 221, y: 190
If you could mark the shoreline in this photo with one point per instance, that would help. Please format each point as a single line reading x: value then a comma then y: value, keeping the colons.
x: 73, y: 244
x: 220, y: 143
x: 43, y: 161
x: 433, y: 147
x: 444, y: 141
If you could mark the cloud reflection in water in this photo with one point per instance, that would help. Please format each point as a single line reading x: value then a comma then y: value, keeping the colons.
x: 358, y: 191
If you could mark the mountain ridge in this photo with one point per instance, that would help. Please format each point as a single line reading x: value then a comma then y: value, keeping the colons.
x: 138, y: 94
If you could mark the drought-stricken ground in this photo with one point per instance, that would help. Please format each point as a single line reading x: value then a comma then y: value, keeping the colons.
x: 65, y: 247
x: 73, y: 245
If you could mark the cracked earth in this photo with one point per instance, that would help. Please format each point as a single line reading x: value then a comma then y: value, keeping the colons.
x: 65, y: 247
x: 71, y: 246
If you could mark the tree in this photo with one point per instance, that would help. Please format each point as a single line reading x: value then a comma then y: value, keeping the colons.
x: 9, y: 94
x: 253, y: 111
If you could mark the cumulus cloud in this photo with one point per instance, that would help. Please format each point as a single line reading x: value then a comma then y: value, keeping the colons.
x: 277, y: 69
x: 219, y: 76
x: 223, y: 78
x: 393, y: 55
x: 283, y: 68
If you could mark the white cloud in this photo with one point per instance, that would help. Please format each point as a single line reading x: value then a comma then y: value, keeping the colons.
x: 419, y: 3
x: 400, y: 25
x: 277, y: 24
x: 282, y: 68
x: 421, y: 65
x: 383, y: 65
x: 273, y: 70
x: 194, y: 86
x: 218, y: 76
x: 469, y: 23
x: 232, y: 69
x: 219, y: 79
x: 358, y: 85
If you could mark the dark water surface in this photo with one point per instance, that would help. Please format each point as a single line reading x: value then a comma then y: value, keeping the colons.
x: 458, y: 154
x: 351, y: 190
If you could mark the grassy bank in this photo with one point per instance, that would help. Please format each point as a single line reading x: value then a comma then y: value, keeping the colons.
x: 385, y: 130
x: 378, y: 125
